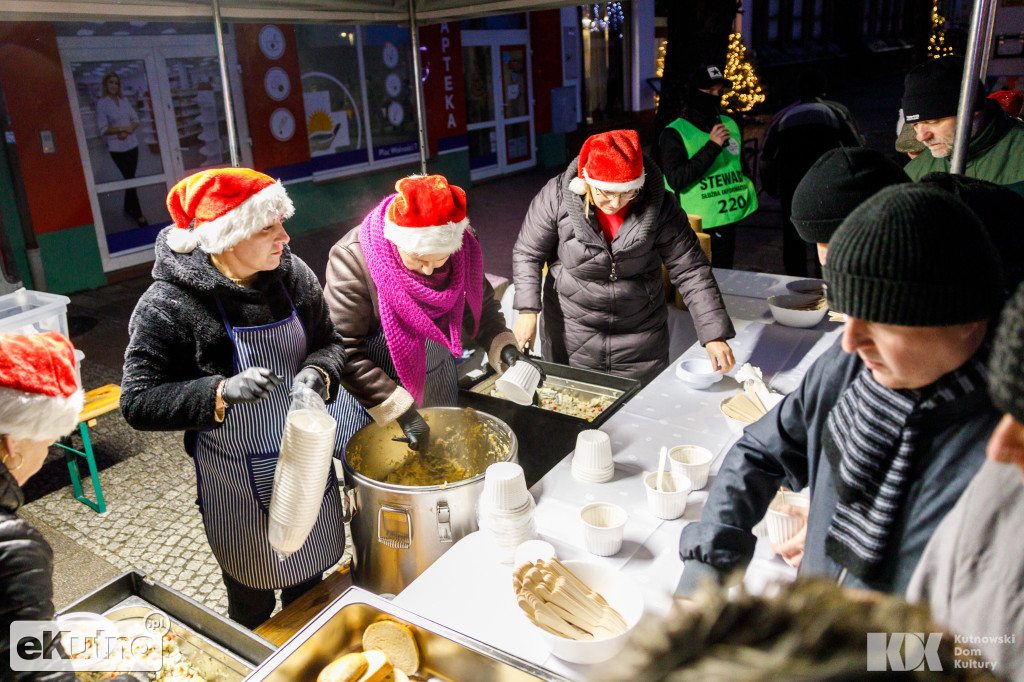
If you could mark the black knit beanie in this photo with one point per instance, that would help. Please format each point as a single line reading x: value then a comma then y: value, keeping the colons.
x: 915, y: 256
x: 1006, y: 366
x: 838, y: 182
x: 932, y: 90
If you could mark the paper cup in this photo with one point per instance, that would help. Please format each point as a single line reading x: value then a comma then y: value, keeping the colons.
x: 504, y: 487
x: 519, y: 383
x: 603, y: 526
x: 782, y: 527
x: 692, y: 461
x: 593, y: 451
x: 669, y: 503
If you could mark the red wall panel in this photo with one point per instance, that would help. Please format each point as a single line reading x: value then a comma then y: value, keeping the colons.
x: 546, y: 42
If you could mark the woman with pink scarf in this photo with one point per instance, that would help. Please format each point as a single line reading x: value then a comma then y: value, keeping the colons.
x: 404, y: 289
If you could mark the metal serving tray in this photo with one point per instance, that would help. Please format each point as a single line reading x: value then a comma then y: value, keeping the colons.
x: 545, y: 436
x: 222, y: 650
x: 446, y: 655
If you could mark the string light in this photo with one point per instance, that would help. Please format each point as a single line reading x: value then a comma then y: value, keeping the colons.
x: 659, y: 66
x: 937, y: 41
x: 746, y: 92
x: 611, y: 19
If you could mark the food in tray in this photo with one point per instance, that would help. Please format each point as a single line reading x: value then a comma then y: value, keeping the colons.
x: 564, y: 402
x: 397, y: 641
x: 176, y: 666
x: 558, y: 602
x: 390, y: 654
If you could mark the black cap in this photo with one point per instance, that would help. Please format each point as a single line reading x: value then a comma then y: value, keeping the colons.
x: 707, y: 75
x: 838, y: 182
x: 932, y: 90
x: 1006, y: 366
x: 916, y: 256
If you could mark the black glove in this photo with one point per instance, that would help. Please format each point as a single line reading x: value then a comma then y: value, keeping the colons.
x: 511, y: 354
x: 311, y: 378
x: 415, y: 429
x: 250, y: 386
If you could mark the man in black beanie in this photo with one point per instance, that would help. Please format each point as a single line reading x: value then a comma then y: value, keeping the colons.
x: 838, y: 182
x: 887, y: 427
x: 971, y: 572
x: 995, y: 151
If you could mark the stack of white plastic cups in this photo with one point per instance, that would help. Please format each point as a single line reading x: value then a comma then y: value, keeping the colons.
x: 300, y: 478
x: 506, y: 509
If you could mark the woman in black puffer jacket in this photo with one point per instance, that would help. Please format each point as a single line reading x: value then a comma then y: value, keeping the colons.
x: 39, y: 402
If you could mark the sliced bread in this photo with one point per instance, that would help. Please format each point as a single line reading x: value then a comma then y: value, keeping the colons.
x: 348, y: 668
x: 379, y: 667
x: 397, y: 641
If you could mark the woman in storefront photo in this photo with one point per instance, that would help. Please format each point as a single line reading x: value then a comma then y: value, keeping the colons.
x: 232, y: 323
x: 405, y: 289
x: 604, y: 227
x: 117, y: 122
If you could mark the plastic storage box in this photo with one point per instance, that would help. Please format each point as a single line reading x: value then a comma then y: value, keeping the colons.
x: 32, y: 312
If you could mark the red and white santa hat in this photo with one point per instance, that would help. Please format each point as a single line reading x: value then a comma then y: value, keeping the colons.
x: 218, y: 208
x: 40, y: 398
x: 427, y: 217
x: 610, y: 161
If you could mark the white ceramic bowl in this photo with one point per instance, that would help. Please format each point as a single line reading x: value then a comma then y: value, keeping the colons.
x: 697, y: 373
x: 621, y: 593
x: 784, y: 312
x: 691, y: 461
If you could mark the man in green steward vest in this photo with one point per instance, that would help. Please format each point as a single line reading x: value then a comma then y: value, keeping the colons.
x: 700, y: 157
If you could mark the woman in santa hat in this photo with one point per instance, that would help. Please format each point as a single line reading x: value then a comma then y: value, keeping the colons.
x: 604, y: 227
x: 232, y: 323
x: 404, y: 289
x: 40, y: 401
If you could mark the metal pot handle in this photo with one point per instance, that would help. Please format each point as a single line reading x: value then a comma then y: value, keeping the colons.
x: 348, y: 504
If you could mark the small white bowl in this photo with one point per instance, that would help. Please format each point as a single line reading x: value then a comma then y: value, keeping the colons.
x: 784, y: 312
x: 691, y: 461
x: 697, y: 373
x: 621, y: 593
x: 671, y: 503
x: 604, y: 524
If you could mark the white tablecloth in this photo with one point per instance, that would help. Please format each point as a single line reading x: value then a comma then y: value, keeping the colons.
x: 469, y: 591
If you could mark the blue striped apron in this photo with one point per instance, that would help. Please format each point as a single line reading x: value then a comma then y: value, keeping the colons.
x: 235, y: 466
x: 441, y: 388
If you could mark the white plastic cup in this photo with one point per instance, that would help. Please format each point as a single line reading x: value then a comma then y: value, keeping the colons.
x: 782, y: 527
x: 504, y: 487
x: 670, y: 502
x: 519, y: 383
x: 691, y: 461
x: 603, y: 526
x: 593, y: 451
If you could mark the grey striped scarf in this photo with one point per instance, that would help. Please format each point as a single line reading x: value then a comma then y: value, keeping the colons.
x: 875, y: 431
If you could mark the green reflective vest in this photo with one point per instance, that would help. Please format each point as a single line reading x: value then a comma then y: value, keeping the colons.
x: 724, y: 195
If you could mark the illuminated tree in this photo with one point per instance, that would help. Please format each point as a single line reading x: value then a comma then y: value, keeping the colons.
x: 746, y: 92
x: 937, y: 46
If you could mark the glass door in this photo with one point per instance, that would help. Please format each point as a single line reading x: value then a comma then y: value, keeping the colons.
x: 122, y: 145
x: 499, y: 111
x: 193, y: 89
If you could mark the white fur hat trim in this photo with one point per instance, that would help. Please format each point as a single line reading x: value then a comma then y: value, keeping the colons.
x: 427, y: 241
x: 249, y: 217
x: 39, y: 417
x: 634, y: 184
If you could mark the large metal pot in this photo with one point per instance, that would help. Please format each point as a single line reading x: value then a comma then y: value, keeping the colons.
x: 403, y: 519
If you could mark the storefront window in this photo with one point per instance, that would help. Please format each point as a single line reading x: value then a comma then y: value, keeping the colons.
x: 392, y: 102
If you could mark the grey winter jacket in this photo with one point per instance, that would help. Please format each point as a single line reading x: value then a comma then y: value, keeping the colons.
x: 785, y: 447
x: 180, y: 350
x: 604, y: 305
x: 972, y: 572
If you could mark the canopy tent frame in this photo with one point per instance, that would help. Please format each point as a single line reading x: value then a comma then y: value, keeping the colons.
x: 975, y: 69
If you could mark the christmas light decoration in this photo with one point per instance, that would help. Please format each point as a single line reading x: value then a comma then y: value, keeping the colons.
x: 746, y: 92
x: 659, y: 66
x: 611, y: 19
x: 937, y: 41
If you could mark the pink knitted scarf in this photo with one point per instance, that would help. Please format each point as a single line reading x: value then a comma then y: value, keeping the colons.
x: 409, y: 308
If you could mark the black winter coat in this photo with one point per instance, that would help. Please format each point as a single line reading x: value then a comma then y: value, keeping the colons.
x: 785, y: 448
x: 604, y: 304
x: 180, y: 350
x: 26, y: 578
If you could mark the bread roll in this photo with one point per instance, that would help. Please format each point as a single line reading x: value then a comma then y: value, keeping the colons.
x: 397, y: 676
x: 378, y: 668
x: 397, y: 641
x: 348, y: 668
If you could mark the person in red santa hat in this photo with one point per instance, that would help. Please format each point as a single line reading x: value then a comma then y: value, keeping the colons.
x: 232, y: 324
x: 40, y: 401
x: 405, y: 288
x: 603, y: 302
